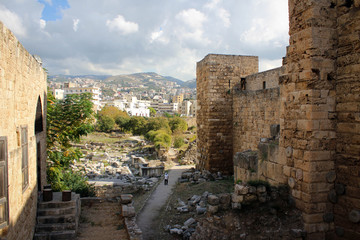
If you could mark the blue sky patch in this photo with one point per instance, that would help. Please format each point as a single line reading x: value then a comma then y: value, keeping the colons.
x: 52, y: 12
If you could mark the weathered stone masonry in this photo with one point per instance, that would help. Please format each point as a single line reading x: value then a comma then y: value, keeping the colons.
x: 216, y: 77
x: 317, y: 107
x: 22, y: 109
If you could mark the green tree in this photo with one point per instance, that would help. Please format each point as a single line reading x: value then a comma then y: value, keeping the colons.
x: 113, y: 112
x: 159, y: 138
x: 178, y: 125
x: 157, y: 123
x: 152, y: 112
x: 137, y: 125
x: 122, y: 122
x: 67, y: 120
x: 105, y: 123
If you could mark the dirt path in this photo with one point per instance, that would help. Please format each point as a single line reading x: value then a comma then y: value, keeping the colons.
x: 101, y: 221
x: 157, y: 200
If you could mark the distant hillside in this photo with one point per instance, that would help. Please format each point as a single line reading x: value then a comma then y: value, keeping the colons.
x: 64, y: 78
x: 150, y: 79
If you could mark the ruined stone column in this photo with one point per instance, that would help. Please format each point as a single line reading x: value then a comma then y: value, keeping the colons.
x: 307, y: 114
x: 216, y: 76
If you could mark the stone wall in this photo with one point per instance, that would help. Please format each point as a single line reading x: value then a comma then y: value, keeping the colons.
x: 319, y: 145
x: 253, y: 114
x: 23, y: 104
x: 347, y: 157
x: 270, y: 78
x: 216, y: 77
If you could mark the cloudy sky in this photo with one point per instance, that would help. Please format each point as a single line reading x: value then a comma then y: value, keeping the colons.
x: 128, y: 36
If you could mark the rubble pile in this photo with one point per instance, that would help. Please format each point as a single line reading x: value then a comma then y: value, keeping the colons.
x: 188, y: 157
x: 195, y: 176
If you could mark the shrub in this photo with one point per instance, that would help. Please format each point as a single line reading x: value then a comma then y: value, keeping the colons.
x: 179, y: 142
x: 178, y: 125
x: 105, y: 123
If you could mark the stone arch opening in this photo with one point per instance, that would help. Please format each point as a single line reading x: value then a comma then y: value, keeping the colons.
x: 39, y: 127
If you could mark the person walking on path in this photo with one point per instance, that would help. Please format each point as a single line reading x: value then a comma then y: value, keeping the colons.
x: 166, y: 181
x: 145, y: 219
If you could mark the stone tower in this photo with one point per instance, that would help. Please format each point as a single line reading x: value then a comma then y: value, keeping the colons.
x: 216, y: 76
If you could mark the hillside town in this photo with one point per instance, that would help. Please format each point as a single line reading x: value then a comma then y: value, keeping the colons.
x: 163, y: 95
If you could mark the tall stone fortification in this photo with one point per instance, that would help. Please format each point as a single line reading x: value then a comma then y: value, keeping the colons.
x: 216, y: 77
x: 316, y: 103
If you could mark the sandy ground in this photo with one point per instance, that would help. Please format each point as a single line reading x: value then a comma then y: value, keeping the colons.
x: 102, y: 221
x: 157, y: 200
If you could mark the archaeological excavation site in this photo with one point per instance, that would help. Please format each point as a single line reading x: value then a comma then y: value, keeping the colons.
x: 268, y: 155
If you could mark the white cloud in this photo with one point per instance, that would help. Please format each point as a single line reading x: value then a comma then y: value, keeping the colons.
x: 42, y: 23
x: 174, y: 35
x: 121, y: 25
x: 224, y: 15
x: 159, y: 36
x: 266, y: 64
x: 192, y: 18
x: 12, y: 21
x: 76, y: 24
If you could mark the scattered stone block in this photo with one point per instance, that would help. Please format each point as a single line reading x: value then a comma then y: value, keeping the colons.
x: 200, y: 210
x: 212, y: 209
x: 213, y: 200
x: 189, y: 222
x: 126, y: 198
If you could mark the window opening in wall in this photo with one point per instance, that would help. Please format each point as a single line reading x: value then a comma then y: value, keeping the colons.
x: 25, y: 157
x: 243, y: 84
x: 4, y: 213
x: 38, y: 117
x: 264, y: 85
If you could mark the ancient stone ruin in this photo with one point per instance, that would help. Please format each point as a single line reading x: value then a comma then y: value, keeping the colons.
x: 313, y: 100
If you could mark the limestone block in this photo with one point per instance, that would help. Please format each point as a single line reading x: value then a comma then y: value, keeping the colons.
x: 237, y: 198
x: 241, y: 189
x: 213, y: 200
x: 328, y: 217
x: 212, y: 209
x: 250, y: 198
x: 126, y: 198
x: 127, y: 211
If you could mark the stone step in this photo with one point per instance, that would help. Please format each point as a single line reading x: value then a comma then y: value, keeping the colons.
x: 56, y: 211
x: 56, y: 204
x: 69, y: 218
x: 63, y: 235
x: 55, y: 227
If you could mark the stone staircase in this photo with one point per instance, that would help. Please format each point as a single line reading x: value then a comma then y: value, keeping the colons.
x: 57, y: 219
